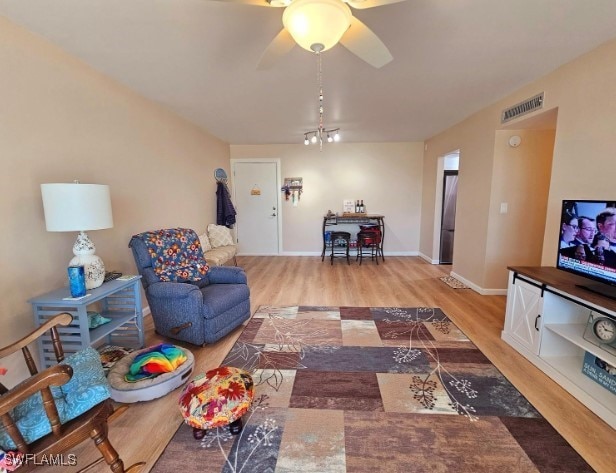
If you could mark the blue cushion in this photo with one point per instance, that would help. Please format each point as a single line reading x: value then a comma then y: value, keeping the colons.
x: 84, y: 390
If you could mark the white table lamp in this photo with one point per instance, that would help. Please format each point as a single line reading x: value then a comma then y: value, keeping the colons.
x: 79, y: 207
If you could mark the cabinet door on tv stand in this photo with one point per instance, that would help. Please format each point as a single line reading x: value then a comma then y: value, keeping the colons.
x: 523, y: 316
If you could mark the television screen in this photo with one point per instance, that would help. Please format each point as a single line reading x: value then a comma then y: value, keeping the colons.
x: 587, y: 245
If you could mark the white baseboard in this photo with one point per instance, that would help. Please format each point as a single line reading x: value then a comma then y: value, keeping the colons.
x: 478, y: 289
x: 260, y: 254
x: 428, y: 259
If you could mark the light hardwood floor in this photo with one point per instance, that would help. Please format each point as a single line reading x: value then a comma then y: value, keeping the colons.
x: 141, y: 432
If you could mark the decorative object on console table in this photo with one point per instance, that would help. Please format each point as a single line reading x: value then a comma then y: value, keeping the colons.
x: 111, y: 275
x: 348, y: 206
x: 96, y: 320
x: 605, y: 330
x: 79, y: 207
x: 600, y: 371
x: 601, y: 331
x: 77, y: 281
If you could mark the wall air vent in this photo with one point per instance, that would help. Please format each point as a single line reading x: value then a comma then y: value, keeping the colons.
x: 522, y: 108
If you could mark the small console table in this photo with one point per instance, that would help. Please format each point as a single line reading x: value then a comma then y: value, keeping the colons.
x: 354, y: 219
x: 545, y: 320
x: 118, y: 300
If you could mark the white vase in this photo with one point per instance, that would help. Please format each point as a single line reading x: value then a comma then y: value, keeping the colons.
x: 84, y: 250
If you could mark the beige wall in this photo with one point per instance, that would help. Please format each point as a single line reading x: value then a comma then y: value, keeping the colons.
x: 583, y: 165
x: 475, y: 140
x: 521, y: 180
x: 59, y: 121
x: 387, y: 176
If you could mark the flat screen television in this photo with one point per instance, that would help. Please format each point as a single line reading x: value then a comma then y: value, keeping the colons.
x: 587, y: 245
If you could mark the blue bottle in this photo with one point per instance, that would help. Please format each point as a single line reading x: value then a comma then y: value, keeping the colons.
x: 328, y: 238
x: 77, y: 281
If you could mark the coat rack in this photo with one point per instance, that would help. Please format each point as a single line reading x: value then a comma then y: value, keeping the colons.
x: 293, y: 188
x: 225, y: 211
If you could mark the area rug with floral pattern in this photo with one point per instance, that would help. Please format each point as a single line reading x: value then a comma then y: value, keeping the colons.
x: 371, y: 389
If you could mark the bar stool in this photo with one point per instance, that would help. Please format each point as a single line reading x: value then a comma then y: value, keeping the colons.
x: 340, y: 246
x: 368, y: 242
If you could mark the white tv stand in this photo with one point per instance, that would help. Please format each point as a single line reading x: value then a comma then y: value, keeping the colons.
x: 545, y: 321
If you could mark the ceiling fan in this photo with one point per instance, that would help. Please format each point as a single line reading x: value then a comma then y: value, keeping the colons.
x: 318, y: 25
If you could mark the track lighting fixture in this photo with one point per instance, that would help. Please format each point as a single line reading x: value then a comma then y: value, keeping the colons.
x: 321, y: 133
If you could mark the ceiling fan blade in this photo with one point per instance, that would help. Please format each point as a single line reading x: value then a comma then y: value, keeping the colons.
x: 361, y: 41
x: 280, y: 45
x: 361, y: 4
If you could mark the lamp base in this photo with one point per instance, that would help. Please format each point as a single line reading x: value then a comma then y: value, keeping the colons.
x: 94, y: 269
x: 84, y: 256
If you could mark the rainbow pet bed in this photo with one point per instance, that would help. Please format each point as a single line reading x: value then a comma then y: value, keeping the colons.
x: 150, y: 373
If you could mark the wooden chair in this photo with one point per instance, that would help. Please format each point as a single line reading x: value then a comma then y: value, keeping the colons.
x: 63, y: 436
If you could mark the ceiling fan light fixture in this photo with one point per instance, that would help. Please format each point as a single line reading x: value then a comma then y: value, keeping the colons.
x: 313, y: 22
x: 321, y: 133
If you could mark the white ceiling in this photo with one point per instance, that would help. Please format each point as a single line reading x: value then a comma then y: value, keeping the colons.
x: 198, y: 58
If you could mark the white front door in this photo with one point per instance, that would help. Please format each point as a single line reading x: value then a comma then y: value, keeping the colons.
x: 257, y: 193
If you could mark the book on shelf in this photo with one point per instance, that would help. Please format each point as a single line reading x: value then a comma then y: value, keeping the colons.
x: 599, y: 371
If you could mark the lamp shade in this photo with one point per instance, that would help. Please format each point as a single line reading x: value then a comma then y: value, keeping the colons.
x: 321, y: 22
x: 76, y: 207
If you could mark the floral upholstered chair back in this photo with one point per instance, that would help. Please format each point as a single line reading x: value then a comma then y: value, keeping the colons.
x: 176, y: 254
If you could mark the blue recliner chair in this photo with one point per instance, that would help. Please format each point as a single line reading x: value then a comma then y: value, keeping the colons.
x: 188, y: 300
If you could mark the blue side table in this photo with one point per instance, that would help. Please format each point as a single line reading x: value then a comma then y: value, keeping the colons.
x: 118, y: 300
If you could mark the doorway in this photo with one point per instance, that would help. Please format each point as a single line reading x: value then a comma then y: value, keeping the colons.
x: 445, y: 164
x: 257, y: 200
x: 448, y: 216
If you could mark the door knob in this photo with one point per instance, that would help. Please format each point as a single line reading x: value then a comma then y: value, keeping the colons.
x: 273, y: 214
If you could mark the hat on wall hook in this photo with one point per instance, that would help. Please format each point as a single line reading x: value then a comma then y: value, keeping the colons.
x: 515, y: 141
